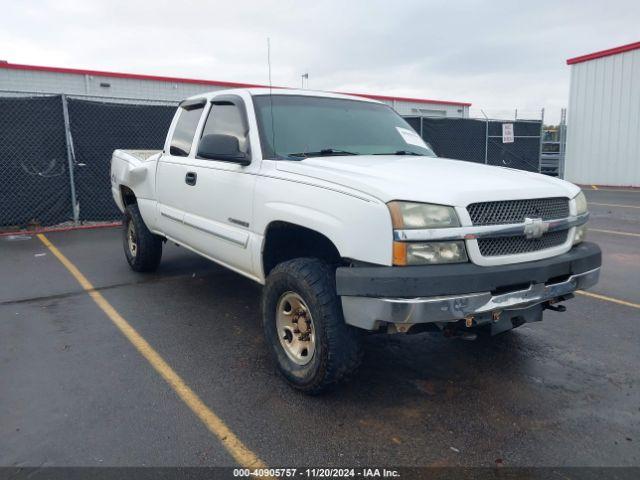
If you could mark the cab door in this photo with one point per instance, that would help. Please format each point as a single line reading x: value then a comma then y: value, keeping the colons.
x: 174, y: 176
x: 218, y: 207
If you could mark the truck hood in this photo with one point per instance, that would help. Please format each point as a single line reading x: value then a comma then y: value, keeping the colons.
x: 426, y: 179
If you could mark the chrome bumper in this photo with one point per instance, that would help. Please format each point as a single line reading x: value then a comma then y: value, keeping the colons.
x: 369, y: 312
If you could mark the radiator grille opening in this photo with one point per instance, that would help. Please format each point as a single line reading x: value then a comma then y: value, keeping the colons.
x: 515, y: 211
x: 495, y: 247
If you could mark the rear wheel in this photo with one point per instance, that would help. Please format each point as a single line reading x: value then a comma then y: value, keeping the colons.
x: 142, y: 248
x: 303, y: 323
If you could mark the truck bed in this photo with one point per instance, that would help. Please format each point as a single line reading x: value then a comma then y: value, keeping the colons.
x: 134, y: 169
x: 142, y: 155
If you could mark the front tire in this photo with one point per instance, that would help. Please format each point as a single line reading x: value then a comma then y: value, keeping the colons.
x: 142, y: 248
x: 302, y: 318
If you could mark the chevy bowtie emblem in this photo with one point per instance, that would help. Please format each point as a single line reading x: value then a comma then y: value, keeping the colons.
x: 535, y: 227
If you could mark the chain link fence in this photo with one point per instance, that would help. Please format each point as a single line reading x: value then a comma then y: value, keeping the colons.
x: 33, y: 162
x: 481, y: 140
x: 97, y: 129
x: 55, y: 153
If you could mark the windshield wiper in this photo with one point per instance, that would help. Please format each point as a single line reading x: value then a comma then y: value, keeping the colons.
x: 401, y: 152
x: 325, y: 152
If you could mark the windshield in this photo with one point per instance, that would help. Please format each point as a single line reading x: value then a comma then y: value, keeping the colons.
x: 319, y: 126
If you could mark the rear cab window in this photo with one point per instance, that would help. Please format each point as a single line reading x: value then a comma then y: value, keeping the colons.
x: 185, y: 129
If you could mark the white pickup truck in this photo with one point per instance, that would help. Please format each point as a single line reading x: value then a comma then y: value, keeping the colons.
x: 351, y: 223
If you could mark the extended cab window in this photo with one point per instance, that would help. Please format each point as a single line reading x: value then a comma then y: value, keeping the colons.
x: 185, y: 131
x: 226, y: 118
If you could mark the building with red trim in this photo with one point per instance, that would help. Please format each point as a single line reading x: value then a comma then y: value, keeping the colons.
x: 603, y: 128
x: 36, y: 78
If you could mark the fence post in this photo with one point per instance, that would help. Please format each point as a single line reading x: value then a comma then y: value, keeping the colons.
x: 486, y: 137
x: 541, y: 139
x: 562, y: 132
x: 70, y: 158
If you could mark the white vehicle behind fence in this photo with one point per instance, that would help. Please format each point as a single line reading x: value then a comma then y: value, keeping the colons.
x: 351, y: 223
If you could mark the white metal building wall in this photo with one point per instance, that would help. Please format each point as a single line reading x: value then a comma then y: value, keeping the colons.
x: 79, y: 84
x: 112, y: 86
x: 603, y: 128
x: 429, y: 109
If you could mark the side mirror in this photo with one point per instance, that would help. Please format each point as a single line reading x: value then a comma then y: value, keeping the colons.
x: 222, y: 147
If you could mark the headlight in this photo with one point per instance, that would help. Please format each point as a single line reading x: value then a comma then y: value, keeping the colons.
x: 581, y: 208
x: 409, y: 215
x: 581, y: 203
x: 581, y: 234
x: 427, y: 253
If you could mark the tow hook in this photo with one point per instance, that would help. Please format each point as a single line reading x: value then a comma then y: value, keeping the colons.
x: 555, y: 308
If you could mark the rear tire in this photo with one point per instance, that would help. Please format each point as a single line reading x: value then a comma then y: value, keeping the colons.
x: 142, y: 248
x: 316, y: 350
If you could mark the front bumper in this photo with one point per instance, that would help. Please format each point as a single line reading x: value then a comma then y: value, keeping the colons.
x: 405, y: 296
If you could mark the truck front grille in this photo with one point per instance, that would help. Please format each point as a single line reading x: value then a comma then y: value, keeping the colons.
x: 515, y: 211
x: 494, y: 247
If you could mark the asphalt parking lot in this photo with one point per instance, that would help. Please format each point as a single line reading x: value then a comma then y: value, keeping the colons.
x: 75, y: 391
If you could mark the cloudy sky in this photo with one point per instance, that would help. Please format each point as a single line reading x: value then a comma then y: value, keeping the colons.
x: 499, y: 55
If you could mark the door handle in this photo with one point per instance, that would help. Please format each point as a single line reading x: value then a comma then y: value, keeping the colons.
x: 191, y: 178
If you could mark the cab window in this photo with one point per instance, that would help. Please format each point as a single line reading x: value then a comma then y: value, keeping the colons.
x: 226, y: 118
x: 185, y: 131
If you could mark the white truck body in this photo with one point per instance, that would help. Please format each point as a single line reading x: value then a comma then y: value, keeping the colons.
x: 227, y: 211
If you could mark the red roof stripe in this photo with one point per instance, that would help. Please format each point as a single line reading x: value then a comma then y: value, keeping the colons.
x: 217, y: 83
x: 604, y: 53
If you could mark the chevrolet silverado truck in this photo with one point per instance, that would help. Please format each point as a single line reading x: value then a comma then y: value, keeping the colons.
x: 351, y: 223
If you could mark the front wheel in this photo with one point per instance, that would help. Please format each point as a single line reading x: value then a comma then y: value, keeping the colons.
x: 304, y: 326
x: 142, y: 248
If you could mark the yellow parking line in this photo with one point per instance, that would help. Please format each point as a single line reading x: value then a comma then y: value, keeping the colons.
x: 615, y: 232
x: 624, y: 190
x: 229, y: 440
x: 609, y: 299
x: 614, y: 205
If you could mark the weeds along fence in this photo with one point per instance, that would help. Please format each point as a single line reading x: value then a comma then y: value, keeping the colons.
x: 55, y: 153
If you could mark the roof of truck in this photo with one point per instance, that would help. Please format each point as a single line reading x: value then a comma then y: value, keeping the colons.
x: 282, y: 91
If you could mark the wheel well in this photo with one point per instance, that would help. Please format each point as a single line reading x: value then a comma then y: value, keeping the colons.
x: 286, y: 241
x: 127, y: 195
